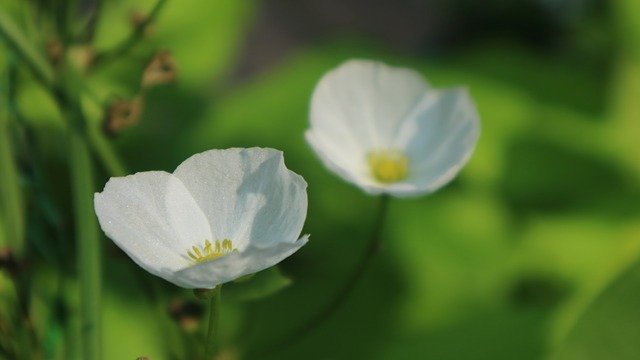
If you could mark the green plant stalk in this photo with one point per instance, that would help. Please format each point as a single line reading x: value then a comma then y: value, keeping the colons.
x: 137, y: 34
x: 10, y: 192
x: 106, y: 153
x: 372, y: 247
x: 20, y: 45
x: 88, y: 246
x: 212, y: 345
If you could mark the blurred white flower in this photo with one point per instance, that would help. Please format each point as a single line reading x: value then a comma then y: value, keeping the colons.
x: 384, y: 129
x: 222, y: 214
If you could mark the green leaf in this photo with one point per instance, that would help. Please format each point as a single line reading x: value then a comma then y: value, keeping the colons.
x: 260, y: 285
x: 609, y: 327
x: 628, y: 19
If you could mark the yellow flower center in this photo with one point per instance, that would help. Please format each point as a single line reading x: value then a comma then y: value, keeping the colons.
x: 210, y: 251
x: 388, y: 166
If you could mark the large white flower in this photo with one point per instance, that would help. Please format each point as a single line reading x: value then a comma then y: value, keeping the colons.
x: 222, y: 214
x: 384, y: 129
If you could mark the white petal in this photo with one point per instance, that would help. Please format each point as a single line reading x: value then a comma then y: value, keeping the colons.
x: 248, y: 195
x: 361, y: 104
x: 209, y: 274
x: 439, y: 138
x: 348, y: 165
x: 153, y: 218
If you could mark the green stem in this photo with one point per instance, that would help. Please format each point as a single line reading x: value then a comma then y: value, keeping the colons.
x: 135, y: 36
x: 89, y: 31
x: 373, y: 245
x: 212, y: 344
x: 88, y: 246
x: 106, y: 153
x: 61, y: 11
x: 10, y: 192
x: 20, y: 45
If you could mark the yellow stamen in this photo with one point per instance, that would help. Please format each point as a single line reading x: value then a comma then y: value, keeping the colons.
x: 207, y: 252
x: 388, y: 166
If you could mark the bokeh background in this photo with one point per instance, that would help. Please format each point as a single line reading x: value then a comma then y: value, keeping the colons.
x: 529, y: 254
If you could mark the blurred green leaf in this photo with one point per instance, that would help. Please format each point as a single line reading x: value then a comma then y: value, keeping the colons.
x: 545, y: 78
x: 46, y: 115
x: 609, y: 327
x: 626, y: 112
x: 628, y: 16
x: 204, y: 36
x: 260, y: 285
x: 133, y: 327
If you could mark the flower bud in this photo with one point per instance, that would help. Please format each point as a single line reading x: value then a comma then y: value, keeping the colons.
x: 55, y: 51
x: 160, y: 70
x: 137, y: 19
x: 8, y: 261
x: 122, y: 114
x: 81, y: 56
x: 187, y: 314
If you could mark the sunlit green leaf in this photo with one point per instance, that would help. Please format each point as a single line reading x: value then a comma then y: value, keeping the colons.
x: 609, y: 327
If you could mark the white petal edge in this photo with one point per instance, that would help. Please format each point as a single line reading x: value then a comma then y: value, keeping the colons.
x: 439, y: 138
x: 153, y: 218
x: 361, y: 103
x: 350, y: 167
x: 248, y: 195
x: 210, y: 274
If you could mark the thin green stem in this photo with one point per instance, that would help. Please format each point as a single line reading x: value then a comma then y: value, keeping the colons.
x: 106, y: 154
x: 60, y: 11
x: 135, y: 36
x: 89, y: 31
x: 11, y: 199
x: 212, y: 344
x: 18, y: 43
x: 373, y: 245
x: 10, y: 192
x: 88, y: 245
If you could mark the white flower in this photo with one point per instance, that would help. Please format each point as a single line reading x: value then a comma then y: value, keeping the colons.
x: 222, y: 214
x: 385, y: 130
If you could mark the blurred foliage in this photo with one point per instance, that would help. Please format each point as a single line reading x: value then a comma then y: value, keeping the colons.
x: 503, y: 263
x: 608, y: 328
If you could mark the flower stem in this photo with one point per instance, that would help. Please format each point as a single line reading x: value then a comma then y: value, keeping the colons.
x: 88, y: 245
x: 132, y: 40
x: 105, y: 153
x: 10, y: 193
x: 212, y: 342
x: 18, y: 43
x: 343, y: 294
